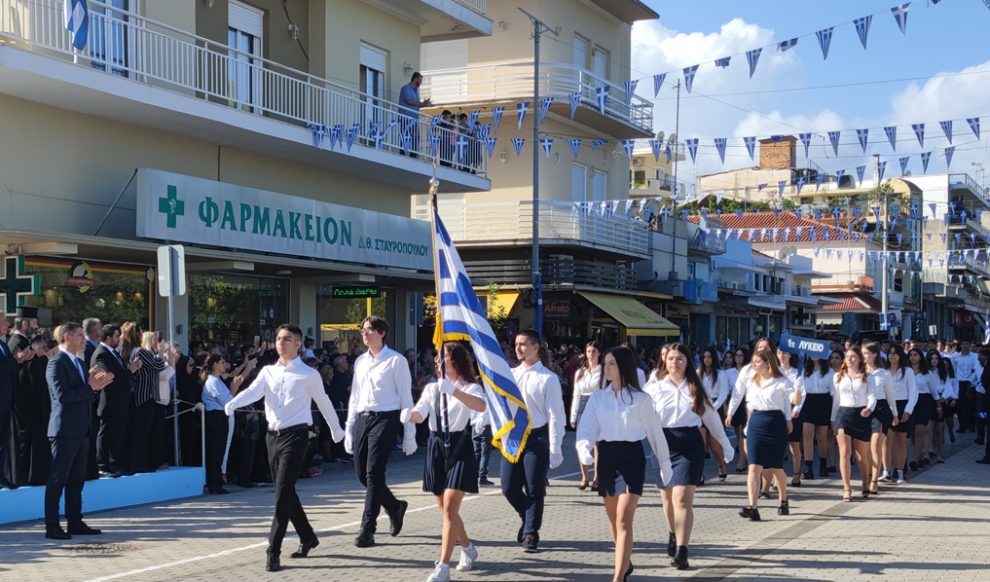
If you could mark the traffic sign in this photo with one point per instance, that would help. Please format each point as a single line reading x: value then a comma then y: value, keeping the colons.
x: 171, y: 270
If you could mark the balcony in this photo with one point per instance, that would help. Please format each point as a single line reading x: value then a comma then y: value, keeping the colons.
x: 977, y: 267
x: 558, y: 273
x: 499, y: 224
x: 622, y: 118
x: 965, y: 182
x: 704, y: 241
x: 444, y: 19
x: 696, y: 291
x: 140, y: 71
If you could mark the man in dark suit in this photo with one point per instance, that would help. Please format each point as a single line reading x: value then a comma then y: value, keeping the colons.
x: 72, y: 389
x: 92, y: 326
x: 115, y: 402
x: 8, y: 379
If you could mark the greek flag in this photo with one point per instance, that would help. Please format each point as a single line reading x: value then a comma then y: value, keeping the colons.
x: 460, y: 317
x: 77, y: 22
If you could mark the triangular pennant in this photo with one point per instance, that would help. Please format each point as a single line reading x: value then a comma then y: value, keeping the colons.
x: 575, y: 144
x: 406, y: 140
x: 974, y: 125
x: 919, y: 132
x: 655, y: 146
x: 752, y: 57
x: 780, y: 187
x: 946, y: 129
x: 904, y: 164
x: 760, y: 187
x: 692, y: 145
x: 891, y: 131
x: 723, y: 62
x: 806, y: 141
x: 863, y: 28
x: 473, y: 118
x: 547, y: 144
x: 900, y: 15
x: 689, y: 76
x: 787, y: 45
x: 863, y: 136
x: 925, y: 156
x: 597, y: 143
x: 521, y: 109
x: 434, y: 145
x: 833, y: 136
x: 497, y: 117
x: 720, y: 146
x: 574, y: 99
x: 461, y: 144
x: 824, y: 41
x: 490, y: 146
x: 602, y: 94
x: 750, y: 142
x: 800, y: 183
x: 545, y: 104
x: 658, y: 82
x: 819, y: 177
x: 838, y: 177
x: 352, y: 133
x: 881, y: 167
x: 628, y: 145
x: 630, y: 90
x: 948, y: 155
x: 517, y: 143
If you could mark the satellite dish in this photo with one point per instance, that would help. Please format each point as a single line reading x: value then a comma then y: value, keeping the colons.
x: 786, y: 251
x: 660, y: 136
x: 672, y: 140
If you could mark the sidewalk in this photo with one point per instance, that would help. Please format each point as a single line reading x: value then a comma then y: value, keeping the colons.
x: 935, y: 527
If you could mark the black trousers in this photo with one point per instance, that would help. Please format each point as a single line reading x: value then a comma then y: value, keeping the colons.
x: 6, y: 410
x: 216, y: 443
x: 375, y: 434
x: 69, y: 457
x: 33, y: 455
x: 112, y: 433
x: 966, y: 409
x: 524, y: 483
x: 982, y: 404
x: 92, y: 466
x: 142, y: 419
x: 285, y: 457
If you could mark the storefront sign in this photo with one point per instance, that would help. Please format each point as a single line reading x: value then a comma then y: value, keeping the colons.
x: 355, y: 292
x: 80, y: 276
x: 182, y: 208
x: 557, y: 309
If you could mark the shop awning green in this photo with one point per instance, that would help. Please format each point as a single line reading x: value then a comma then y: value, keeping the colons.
x: 638, y: 319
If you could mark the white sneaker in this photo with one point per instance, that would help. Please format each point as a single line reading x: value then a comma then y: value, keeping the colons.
x: 441, y: 573
x: 884, y: 477
x: 468, y: 556
x: 899, y: 477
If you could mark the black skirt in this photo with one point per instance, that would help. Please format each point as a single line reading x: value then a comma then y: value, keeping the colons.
x: 908, y: 426
x: 766, y: 439
x: 882, y: 418
x: 463, y: 472
x: 854, y: 423
x: 739, y: 416
x: 687, y: 456
x: 817, y: 409
x: 924, y: 410
x: 621, y: 468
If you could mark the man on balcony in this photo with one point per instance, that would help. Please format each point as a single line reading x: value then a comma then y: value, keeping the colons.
x: 409, y: 106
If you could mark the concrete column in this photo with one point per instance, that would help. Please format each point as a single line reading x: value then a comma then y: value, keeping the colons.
x: 302, y: 308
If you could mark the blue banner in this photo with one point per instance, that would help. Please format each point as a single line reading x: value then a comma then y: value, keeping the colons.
x: 805, y: 346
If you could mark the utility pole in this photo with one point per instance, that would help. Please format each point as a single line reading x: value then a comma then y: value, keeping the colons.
x: 885, y: 324
x: 539, y: 27
x: 677, y: 144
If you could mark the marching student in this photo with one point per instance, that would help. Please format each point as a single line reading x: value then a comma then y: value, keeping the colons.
x: 787, y: 367
x: 738, y: 421
x: 927, y: 384
x: 451, y: 467
x: 946, y: 390
x: 524, y: 483
x: 768, y: 396
x: 906, y: 393
x: 617, y: 419
x: 716, y: 384
x: 852, y: 409
x: 684, y: 408
x: 835, y: 363
x: 815, y: 415
x: 587, y: 380
x: 885, y: 413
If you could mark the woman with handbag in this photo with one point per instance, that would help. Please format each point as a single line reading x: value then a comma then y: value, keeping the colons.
x: 451, y: 467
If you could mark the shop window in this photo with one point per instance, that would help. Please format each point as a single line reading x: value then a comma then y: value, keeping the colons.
x: 228, y: 309
x: 340, y: 319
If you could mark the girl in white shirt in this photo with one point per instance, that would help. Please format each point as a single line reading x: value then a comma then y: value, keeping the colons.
x: 738, y: 418
x: 787, y: 367
x: 617, y: 419
x: 815, y: 413
x: 852, y: 409
x: 940, y: 372
x: 906, y: 394
x: 717, y: 388
x: 927, y: 385
x: 684, y: 408
x: 451, y: 467
x: 587, y: 380
x: 885, y: 413
x: 768, y: 398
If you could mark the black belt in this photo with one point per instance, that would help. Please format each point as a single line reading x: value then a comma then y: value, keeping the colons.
x: 539, y: 431
x: 288, y: 430
x: 379, y: 413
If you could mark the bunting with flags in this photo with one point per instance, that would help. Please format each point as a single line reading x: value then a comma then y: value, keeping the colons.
x: 497, y: 114
x: 545, y: 103
x: 517, y: 143
x: 900, y: 15
x: 692, y: 145
x: 630, y: 90
x: 863, y: 136
x: 919, y: 132
x: 521, y: 109
x: 904, y: 164
x: 547, y: 144
x: 655, y: 147
x: 824, y: 41
x: 720, y: 147
x: 948, y: 155
x: 974, y: 126
x: 575, y: 144
x: 833, y: 136
x: 863, y: 28
x: 787, y: 45
x: 860, y: 173
x: 946, y: 129
x: 881, y: 168
x: 723, y: 63
x: 925, y: 156
x: 602, y: 94
x: 689, y: 76
x: 658, y: 82
x: 806, y: 141
x: 574, y: 100
x: 750, y: 142
x: 891, y: 131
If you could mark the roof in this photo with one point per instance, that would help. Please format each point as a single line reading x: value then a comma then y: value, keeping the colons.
x: 759, y: 221
x: 854, y: 304
x: 627, y: 10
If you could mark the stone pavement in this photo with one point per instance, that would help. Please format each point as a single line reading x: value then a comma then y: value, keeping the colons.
x: 936, y: 527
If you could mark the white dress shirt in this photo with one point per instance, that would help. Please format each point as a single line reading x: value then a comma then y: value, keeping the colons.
x: 854, y: 392
x: 950, y: 388
x: 819, y: 383
x: 718, y: 391
x: 965, y: 366
x: 731, y: 376
x: 289, y: 391
x: 884, y: 384
x: 623, y: 415
x: 772, y: 394
x: 927, y: 384
x: 458, y: 414
x: 541, y: 392
x: 381, y: 383
x: 797, y: 388
x: 905, y: 388
x: 675, y: 407
x: 585, y: 382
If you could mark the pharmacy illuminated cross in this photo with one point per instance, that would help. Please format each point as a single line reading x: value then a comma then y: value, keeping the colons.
x: 14, y: 284
x: 172, y: 206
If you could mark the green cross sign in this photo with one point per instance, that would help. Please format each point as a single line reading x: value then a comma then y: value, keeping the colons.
x: 172, y: 206
x: 15, y: 285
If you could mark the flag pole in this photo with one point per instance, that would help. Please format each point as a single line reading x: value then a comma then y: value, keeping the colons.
x: 434, y: 209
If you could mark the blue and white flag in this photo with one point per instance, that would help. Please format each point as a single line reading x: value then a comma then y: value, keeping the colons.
x: 863, y: 28
x: 946, y: 129
x: 689, y: 76
x: 667, y: 153
x: 723, y: 63
x: 919, y: 132
x: 800, y: 183
x: 974, y: 125
x: 863, y: 136
x: 473, y: 118
x: 655, y: 146
x: 545, y: 104
x: 497, y: 114
x: 658, y: 82
x: 881, y: 168
x: 547, y: 144
x: 597, y: 143
x: 753, y: 57
x: 948, y: 155
x: 575, y: 100
x: 900, y: 15
x: 839, y: 174
x: 780, y: 187
x: 819, y: 178
x: 806, y: 141
x: 750, y: 142
x: 484, y: 130
x: 352, y: 133
x: 434, y: 145
x: 891, y: 131
x: 490, y: 146
x: 517, y: 143
x: 824, y: 41
x: 460, y: 317
x: 925, y: 156
x: 575, y: 144
x: 904, y: 164
x: 337, y: 134
x: 720, y: 146
x: 760, y: 187
x: 630, y: 90
x: 461, y: 145
x: 602, y: 94
x: 628, y: 145
x: 692, y: 145
x: 77, y: 22
x: 521, y: 109
x: 378, y: 136
x: 787, y: 45
x: 833, y: 136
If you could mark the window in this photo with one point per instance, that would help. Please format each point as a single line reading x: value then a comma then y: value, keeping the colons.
x: 373, y: 63
x: 599, y: 180
x: 599, y: 64
x: 245, y: 27
x: 579, y: 182
x: 899, y: 284
x: 109, y: 43
x: 580, y: 51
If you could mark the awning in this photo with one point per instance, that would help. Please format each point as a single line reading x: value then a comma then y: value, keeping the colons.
x: 766, y: 305
x: 638, y: 319
x: 505, y: 299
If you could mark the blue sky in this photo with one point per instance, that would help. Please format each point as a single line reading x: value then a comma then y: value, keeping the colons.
x: 944, y: 38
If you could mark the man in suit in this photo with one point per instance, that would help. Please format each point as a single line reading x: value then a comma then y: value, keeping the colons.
x: 72, y: 389
x: 91, y: 326
x: 114, y: 402
x: 8, y: 379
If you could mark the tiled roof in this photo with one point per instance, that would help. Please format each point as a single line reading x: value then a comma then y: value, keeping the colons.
x: 854, y: 304
x: 801, y: 229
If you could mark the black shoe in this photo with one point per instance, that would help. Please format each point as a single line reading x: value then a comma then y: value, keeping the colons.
x: 746, y: 512
x: 913, y: 466
x: 832, y: 470
x: 273, y: 563
x: 218, y: 490
x: 531, y: 543
x: 365, y: 539
x: 680, y: 560
x: 984, y: 461
x: 979, y: 442
x: 808, y: 474
x: 519, y: 536
x: 484, y: 482
x: 629, y: 571
x: 304, y: 548
x: 764, y: 495
x: 784, y: 508
x: 672, y: 545
x: 246, y: 484
x: 57, y: 534
x: 397, y: 518
x: 81, y: 529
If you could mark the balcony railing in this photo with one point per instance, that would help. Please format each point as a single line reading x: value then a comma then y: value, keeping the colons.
x: 514, y: 81
x: 479, y: 6
x: 556, y: 272
x: 143, y: 50
x: 968, y: 182
x: 512, y: 222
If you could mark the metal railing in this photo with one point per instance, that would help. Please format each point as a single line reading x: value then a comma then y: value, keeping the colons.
x: 479, y: 6
x: 478, y: 222
x: 143, y: 50
x: 514, y: 81
x: 967, y: 181
x: 556, y: 272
